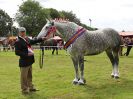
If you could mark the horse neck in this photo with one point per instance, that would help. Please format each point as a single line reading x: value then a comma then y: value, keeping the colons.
x: 67, y: 29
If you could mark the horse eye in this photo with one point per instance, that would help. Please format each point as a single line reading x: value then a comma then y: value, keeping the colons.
x: 47, y: 27
x: 52, y: 23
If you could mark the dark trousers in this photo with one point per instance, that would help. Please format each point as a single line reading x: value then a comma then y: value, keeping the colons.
x: 128, y: 50
x: 55, y: 48
x: 26, y: 78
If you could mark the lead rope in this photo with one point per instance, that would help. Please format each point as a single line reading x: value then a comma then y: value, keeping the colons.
x: 41, y: 56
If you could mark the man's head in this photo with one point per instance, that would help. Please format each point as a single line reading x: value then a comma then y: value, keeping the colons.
x: 22, y: 31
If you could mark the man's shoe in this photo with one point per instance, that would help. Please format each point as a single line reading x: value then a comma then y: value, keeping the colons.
x: 33, y: 90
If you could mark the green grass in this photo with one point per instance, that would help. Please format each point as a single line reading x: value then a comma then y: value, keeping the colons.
x: 55, y: 79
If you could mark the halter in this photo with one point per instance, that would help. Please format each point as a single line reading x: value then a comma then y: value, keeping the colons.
x: 51, y: 30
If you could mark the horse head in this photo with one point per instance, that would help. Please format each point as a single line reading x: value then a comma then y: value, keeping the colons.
x: 58, y: 27
x: 48, y: 30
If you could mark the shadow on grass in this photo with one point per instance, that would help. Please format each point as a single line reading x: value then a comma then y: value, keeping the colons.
x: 34, y: 96
x: 112, y: 90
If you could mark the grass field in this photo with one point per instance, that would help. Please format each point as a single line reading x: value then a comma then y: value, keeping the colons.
x: 55, y: 80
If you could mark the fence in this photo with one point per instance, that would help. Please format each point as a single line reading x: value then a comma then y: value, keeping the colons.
x: 38, y: 47
x: 2, y: 48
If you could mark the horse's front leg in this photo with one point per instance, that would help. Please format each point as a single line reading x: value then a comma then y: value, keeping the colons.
x: 81, y: 65
x: 75, y: 63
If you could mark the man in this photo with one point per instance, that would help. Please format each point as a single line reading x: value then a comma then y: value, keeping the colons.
x: 129, y: 46
x: 24, y: 50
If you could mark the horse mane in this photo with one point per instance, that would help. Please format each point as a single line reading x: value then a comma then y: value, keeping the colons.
x: 62, y: 20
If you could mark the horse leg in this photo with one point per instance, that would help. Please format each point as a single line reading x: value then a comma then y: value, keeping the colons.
x: 81, y: 65
x: 75, y: 63
x: 116, y: 59
x: 111, y: 57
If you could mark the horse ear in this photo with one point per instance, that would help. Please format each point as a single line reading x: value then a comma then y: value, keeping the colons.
x: 47, y: 20
x: 52, y: 23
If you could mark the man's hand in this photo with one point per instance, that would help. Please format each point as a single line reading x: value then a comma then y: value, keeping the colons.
x: 30, y: 54
x: 44, y: 38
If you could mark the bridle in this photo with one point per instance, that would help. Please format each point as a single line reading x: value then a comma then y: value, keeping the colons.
x: 52, y: 29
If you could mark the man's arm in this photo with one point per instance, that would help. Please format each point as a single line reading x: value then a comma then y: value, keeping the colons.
x: 34, y: 41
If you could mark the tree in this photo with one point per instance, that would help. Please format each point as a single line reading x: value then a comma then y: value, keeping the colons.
x: 53, y: 13
x: 5, y: 23
x: 31, y: 16
x: 72, y: 17
x: 69, y: 15
x: 14, y: 31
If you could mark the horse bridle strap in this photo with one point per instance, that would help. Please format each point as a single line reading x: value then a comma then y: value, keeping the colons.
x: 51, y: 29
x: 74, y: 37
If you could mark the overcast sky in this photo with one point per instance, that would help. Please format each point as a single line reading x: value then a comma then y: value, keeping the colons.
x: 115, y: 14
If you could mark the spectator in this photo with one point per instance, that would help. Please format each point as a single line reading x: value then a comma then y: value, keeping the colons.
x: 129, y: 46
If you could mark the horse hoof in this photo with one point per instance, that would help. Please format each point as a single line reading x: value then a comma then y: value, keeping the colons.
x: 81, y: 82
x: 112, y: 76
x: 116, y: 77
x: 75, y: 82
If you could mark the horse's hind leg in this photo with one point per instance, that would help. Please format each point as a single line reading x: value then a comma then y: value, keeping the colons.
x: 112, y: 58
x: 116, y: 63
x: 81, y: 65
x: 75, y: 63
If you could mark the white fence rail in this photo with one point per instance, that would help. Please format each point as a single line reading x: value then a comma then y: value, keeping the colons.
x: 34, y: 47
x: 38, y: 47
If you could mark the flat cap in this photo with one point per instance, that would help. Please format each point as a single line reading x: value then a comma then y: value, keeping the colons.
x: 22, y: 29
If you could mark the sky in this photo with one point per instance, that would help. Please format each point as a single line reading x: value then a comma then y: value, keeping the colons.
x: 116, y: 14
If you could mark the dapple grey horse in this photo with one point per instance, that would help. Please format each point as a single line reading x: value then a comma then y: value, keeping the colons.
x: 89, y: 43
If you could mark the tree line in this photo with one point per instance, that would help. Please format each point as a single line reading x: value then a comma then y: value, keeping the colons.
x: 32, y: 16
